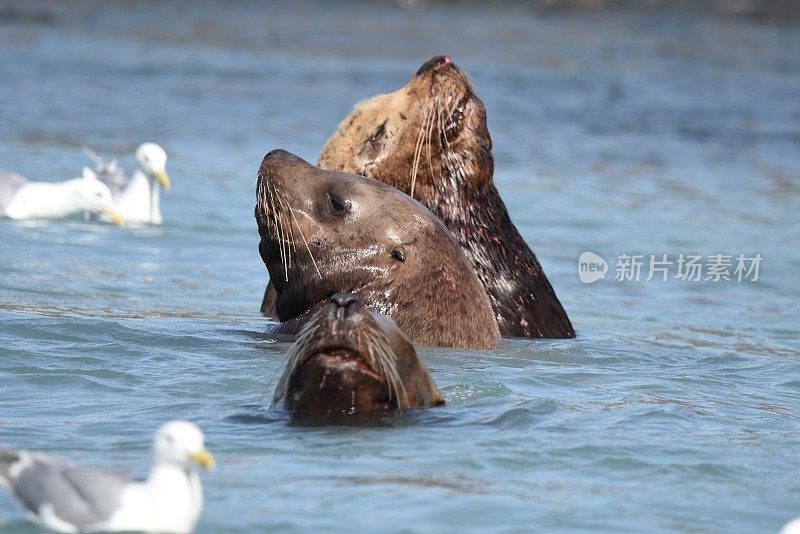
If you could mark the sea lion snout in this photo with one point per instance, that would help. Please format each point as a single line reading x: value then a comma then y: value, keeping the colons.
x: 280, y: 155
x: 436, y: 63
x: 342, y: 300
x: 344, y: 306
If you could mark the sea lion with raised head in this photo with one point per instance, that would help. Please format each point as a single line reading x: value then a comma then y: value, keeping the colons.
x: 324, y: 232
x: 348, y: 360
x: 429, y: 139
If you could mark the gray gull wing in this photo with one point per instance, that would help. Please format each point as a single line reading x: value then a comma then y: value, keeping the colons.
x: 76, y: 495
x: 115, y: 181
x: 10, y: 183
x: 108, y: 172
x: 113, y: 176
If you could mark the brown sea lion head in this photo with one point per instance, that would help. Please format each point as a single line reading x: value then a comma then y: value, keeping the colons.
x: 430, y: 140
x: 348, y: 360
x: 424, y: 139
x: 324, y: 232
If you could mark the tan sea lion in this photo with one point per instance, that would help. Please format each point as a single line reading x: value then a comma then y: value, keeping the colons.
x: 325, y: 232
x: 429, y: 139
x: 348, y: 360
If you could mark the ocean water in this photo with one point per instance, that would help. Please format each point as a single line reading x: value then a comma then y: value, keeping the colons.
x: 620, y: 133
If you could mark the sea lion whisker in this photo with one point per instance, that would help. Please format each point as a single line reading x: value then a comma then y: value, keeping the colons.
x: 429, y: 141
x: 427, y: 127
x: 397, y: 383
x: 286, y: 239
x: 264, y: 204
x: 272, y: 210
x: 267, y: 202
x: 276, y: 217
x: 376, y: 360
x: 376, y: 349
x: 284, y: 233
x: 443, y: 128
x: 418, y: 148
x: 289, y: 232
x: 267, y: 386
x: 415, y: 161
x: 293, y: 357
x: 291, y: 227
x: 291, y: 210
x: 393, y: 379
x: 387, y: 361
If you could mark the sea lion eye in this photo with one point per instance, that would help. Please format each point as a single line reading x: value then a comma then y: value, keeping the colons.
x: 337, y: 204
x: 378, y: 135
x: 398, y: 254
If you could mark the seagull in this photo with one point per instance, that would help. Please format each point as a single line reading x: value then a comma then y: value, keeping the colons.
x: 21, y: 198
x: 72, y: 499
x: 792, y: 527
x: 137, y: 198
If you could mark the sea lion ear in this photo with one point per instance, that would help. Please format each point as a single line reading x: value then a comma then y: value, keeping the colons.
x: 88, y: 174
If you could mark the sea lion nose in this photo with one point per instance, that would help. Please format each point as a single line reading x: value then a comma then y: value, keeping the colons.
x: 280, y: 155
x: 435, y: 63
x: 342, y: 300
x: 343, y: 308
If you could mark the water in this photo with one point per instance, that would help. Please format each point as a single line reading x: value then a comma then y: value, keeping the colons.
x: 620, y: 132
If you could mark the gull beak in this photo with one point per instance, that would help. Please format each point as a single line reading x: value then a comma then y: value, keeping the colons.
x: 115, y: 216
x: 203, y: 458
x: 162, y: 178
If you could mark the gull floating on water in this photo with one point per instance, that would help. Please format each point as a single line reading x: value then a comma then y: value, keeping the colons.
x: 21, y: 198
x: 792, y: 527
x: 138, y: 199
x: 85, y: 499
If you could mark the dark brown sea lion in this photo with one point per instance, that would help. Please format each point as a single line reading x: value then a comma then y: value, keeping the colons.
x: 429, y: 139
x: 348, y: 360
x: 325, y: 232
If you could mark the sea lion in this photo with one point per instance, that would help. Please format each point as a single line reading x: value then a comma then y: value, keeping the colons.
x: 429, y: 139
x: 325, y: 232
x: 348, y: 360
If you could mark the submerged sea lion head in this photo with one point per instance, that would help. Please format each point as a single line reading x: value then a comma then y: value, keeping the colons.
x: 324, y: 232
x: 424, y: 139
x: 347, y: 360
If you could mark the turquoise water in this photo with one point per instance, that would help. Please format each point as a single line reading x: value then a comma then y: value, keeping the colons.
x: 675, y: 409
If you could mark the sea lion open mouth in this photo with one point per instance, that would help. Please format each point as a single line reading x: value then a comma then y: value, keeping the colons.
x: 348, y: 360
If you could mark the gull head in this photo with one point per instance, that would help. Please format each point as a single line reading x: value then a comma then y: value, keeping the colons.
x: 181, y: 443
x: 94, y: 196
x: 152, y: 160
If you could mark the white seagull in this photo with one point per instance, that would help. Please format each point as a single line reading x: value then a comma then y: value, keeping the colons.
x: 65, y: 498
x: 21, y: 198
x: 792, y: 527
x: 138, y: 199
